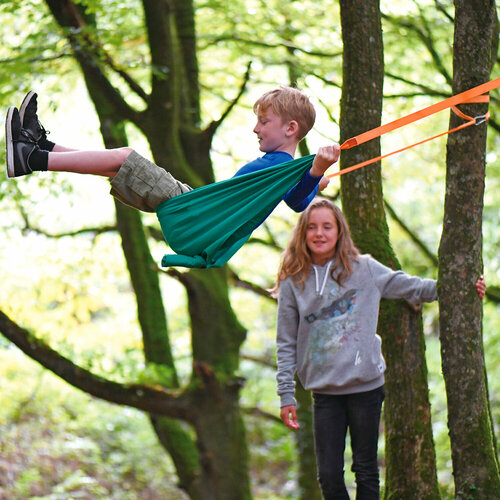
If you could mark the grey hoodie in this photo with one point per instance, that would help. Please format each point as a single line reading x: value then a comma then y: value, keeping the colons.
x: 327, y: 334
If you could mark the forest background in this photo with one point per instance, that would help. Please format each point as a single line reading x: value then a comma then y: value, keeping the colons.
x: 66, y: 274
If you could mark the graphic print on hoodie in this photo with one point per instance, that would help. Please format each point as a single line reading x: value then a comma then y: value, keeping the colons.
x: 334, y: 326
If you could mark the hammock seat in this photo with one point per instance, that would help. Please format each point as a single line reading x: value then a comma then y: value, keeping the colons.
x: 208, y: 225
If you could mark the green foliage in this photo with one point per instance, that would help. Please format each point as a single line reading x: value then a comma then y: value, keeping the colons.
x: 35, y: 47
x: 156, y: 374
x: 58, y: 443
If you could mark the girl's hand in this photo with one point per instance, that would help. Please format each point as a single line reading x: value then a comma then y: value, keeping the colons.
x: 323, y: 183
x: 289, y: 416
x: 481, y: 287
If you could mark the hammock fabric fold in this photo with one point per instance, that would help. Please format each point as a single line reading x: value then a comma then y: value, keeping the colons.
x: 208, y: 225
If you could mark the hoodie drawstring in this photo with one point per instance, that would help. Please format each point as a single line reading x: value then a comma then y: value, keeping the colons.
x: 318, y: 291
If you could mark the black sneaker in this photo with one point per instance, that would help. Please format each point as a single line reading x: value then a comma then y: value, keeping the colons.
x: 29, y: 118
x: 20, y: 145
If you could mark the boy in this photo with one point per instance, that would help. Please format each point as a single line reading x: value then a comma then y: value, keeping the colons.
x: 284, y: 117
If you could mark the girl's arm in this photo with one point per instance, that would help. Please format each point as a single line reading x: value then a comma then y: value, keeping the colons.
x: 286, y: 344
x: 396, y: 284
x: 399, y: 285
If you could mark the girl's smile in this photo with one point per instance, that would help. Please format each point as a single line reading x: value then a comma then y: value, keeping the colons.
x: 321, y: 235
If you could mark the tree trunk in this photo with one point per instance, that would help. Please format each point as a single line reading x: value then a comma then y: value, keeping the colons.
x: 475, y: 465
x: 304, y: 438
x: 151, y: 315
x: 217, y: 467
x: 216, y: 339
x: 410, y: 457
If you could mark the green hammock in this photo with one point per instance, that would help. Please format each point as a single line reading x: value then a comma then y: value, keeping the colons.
x: 208, y: 225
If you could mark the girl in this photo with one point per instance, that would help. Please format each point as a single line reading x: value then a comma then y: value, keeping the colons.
x: 328, y: 303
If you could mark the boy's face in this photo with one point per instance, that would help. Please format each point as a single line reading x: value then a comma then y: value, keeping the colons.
x: 273, y: 134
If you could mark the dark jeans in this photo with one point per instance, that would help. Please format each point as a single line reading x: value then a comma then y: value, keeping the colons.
x: 332, y: 416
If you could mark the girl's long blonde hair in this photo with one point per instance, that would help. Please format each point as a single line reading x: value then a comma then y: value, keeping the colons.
x: 296, y: 259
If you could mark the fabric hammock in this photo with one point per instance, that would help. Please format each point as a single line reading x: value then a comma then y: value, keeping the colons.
x: 208, y: 225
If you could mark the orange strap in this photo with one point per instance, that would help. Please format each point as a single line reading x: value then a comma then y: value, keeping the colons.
x: 469, y: 96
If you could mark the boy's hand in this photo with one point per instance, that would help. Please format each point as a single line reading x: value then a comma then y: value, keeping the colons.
x: 289, y: 416
x: 481, y: 287
x: 326, y: 156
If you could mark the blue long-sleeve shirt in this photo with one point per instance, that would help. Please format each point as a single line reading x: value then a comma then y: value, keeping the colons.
x: 297, y: 198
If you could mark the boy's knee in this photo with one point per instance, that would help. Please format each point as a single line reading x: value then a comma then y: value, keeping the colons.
x: 124, y: 153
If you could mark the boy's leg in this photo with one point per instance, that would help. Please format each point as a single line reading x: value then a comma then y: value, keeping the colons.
x: 136, y: 181
x: 106, y: 162
x: 24, y: 155
x: 142, y: 184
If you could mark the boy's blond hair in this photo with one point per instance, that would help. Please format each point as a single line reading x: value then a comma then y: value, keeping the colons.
x: 289, y: 104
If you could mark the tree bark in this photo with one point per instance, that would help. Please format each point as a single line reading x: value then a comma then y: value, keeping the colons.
x: 152, y: 317
x: 304, y: 438
x: 217, y: 467
x: 475, y: 464
x: 409, y: 450
x: 216, y: 339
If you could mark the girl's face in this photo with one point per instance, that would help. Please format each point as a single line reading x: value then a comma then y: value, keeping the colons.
x: 321, y: 235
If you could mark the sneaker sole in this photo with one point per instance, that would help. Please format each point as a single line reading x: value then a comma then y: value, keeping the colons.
x: 25, y: 104
x: 11, y: 172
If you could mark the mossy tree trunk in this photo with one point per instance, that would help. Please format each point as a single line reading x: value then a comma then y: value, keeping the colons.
x: 475, y: 464
x: 215, y: 464
x: 216, y: 340
x: 304, y: 438
x: 409, y: 450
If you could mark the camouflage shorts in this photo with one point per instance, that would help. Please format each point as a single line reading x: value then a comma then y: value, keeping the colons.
x: 144, y: 185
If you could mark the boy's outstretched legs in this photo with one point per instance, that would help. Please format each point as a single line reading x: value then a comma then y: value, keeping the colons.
x: 26, y: 140
x: 106, y: 162
x: 135, y: 180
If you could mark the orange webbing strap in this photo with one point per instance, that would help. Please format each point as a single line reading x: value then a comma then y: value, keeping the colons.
x: 469, y: 96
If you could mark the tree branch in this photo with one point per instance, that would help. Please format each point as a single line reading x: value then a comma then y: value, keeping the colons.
x: 257, y: 412
x: 267, y: 243
x: 442, y: 9
x: 425, y: 36
x: 152, y: 399
x: 212, y: 128
x: 259, y: 43
x: 247, y: 285
x: 96, y: 231
x: 412, y: 235
x: 267, y: 361
x: 89, y: 54
x: 424, y: 88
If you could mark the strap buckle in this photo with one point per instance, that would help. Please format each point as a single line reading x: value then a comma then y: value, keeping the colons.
x: 481, y: 118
